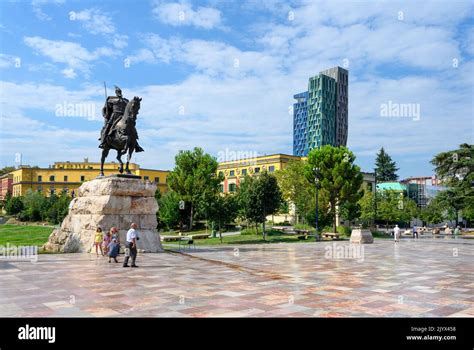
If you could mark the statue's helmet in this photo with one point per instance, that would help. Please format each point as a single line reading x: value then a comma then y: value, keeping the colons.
x: 118, y: 91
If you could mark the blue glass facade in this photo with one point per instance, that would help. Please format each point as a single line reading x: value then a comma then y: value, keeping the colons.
x: 320, y: 114
x: 300, y: 120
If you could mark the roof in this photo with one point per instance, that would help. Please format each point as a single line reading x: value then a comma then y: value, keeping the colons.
x: 391, y: 186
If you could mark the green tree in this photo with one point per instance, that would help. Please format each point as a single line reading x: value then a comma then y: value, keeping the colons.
x: 296, y: 189
x: 337, y: 175
x: 456, y: 170
x: 6, y: 170
x: 193, y: 177
x: 432, y: 213
x: 14, y: 205
x: 35, y: 206
x: 385, y: 167
x: 222, y: 209
x: 366, y: 204
x: 259, y: 197
x: 169, y: 211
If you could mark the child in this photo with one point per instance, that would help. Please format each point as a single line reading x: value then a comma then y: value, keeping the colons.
x: 113, y: 250
x: 98, y: 241
x: 105, y: 243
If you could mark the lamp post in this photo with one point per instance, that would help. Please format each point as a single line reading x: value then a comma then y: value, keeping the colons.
x: 316, y: 173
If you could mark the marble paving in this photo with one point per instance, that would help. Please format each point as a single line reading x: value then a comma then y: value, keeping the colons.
x: 414, y: 278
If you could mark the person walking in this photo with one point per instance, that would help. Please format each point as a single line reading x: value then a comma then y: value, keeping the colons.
x: 415, y: 231
x: 131, y: 245
x: 98, y: 241
x: 113, y: 250
x: 115, y: 235
x: 396, y: 233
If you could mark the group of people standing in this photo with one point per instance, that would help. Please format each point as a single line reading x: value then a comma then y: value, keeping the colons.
x: 109, y: 244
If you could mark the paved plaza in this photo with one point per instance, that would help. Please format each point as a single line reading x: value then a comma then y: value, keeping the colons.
x: 426, y: 277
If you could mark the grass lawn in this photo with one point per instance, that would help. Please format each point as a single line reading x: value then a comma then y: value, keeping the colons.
x: 20, y: 235
x: 248, y: 239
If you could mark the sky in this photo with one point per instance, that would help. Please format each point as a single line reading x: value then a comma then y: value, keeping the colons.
x: 221, y: 75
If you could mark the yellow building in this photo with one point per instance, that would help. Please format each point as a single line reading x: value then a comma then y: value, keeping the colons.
x: 235, y: 171
x: 68, y: 176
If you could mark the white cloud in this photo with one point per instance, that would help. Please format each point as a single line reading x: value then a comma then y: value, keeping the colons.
x: 97, y: 22
x: 36, y: 6
x: 8, y: 61
x: 69, y: 73
x: 74, y: 55
x: 183, y: 13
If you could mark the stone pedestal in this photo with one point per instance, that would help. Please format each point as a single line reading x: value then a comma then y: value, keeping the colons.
x: 361, y: 236
x: 106, y: 202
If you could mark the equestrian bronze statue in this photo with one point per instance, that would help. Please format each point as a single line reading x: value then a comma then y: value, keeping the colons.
x: 119, y: 132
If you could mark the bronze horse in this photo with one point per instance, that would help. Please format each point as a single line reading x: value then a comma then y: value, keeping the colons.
x: 123, y: 136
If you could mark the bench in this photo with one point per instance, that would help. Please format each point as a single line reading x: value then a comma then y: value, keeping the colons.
x: 186, y: 242
x: 199, y: 236
x: 170, y: 238
x: 330, y: 235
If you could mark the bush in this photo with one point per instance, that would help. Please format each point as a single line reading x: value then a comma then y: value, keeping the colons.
x: 344, y: 230
x: 248, y: 231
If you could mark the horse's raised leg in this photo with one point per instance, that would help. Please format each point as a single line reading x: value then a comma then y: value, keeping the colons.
x: 129, y: 156
x: 105, y: 153
x: 119, y: 158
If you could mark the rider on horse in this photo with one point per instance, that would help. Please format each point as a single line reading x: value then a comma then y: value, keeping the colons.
x: 112, y: 112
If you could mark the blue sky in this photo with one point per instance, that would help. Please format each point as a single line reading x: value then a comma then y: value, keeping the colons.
x: 221, y: 75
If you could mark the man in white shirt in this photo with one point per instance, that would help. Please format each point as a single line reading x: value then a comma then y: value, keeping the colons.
x: 396, y: 233
x: 131, y: 245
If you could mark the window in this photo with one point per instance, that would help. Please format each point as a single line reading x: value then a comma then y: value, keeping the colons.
x: 51, y: 178
x: 221, y: 188
x: 244, y: 172
x: 65, y: 178
x: 271, y: 168
x: 232, y: 187
x: 221, y: 173
x: 232, y: 173
x: 52, y: 190
x: 40, y: 189
x: 257, y: 170
x: 146, y: 178
x: 157, y: 180
x: 83, y: 178
x: 40, y: 178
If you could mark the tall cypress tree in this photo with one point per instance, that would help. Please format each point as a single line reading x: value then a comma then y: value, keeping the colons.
x: 385, y: 167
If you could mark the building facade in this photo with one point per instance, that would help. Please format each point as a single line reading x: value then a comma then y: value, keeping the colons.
x: 422, y: 188
x: 6, y: 185
x: 66, y: 177
x: 320, y: 115
x: 235, y: 171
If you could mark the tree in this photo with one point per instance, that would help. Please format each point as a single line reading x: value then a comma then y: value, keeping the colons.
x: 169, y: 212
x: 222, y: 210
x: 258, y: 197
x: 385, y: 167
x: 193, y: 177
x: 432, y: 213
x: 6, y: 170
x: 456, y: 170
x: 296, y: 189
x: 14, y: 205
x: 366, y: 204
x: 337, y: 175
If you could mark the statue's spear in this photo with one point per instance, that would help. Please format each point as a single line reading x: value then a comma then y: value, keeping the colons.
x: 106, y: 104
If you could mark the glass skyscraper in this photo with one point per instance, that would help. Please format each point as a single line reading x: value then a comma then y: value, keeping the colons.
x: 320, y: 115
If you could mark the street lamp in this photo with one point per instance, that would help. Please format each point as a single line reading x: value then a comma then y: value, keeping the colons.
x: 316, y: 182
